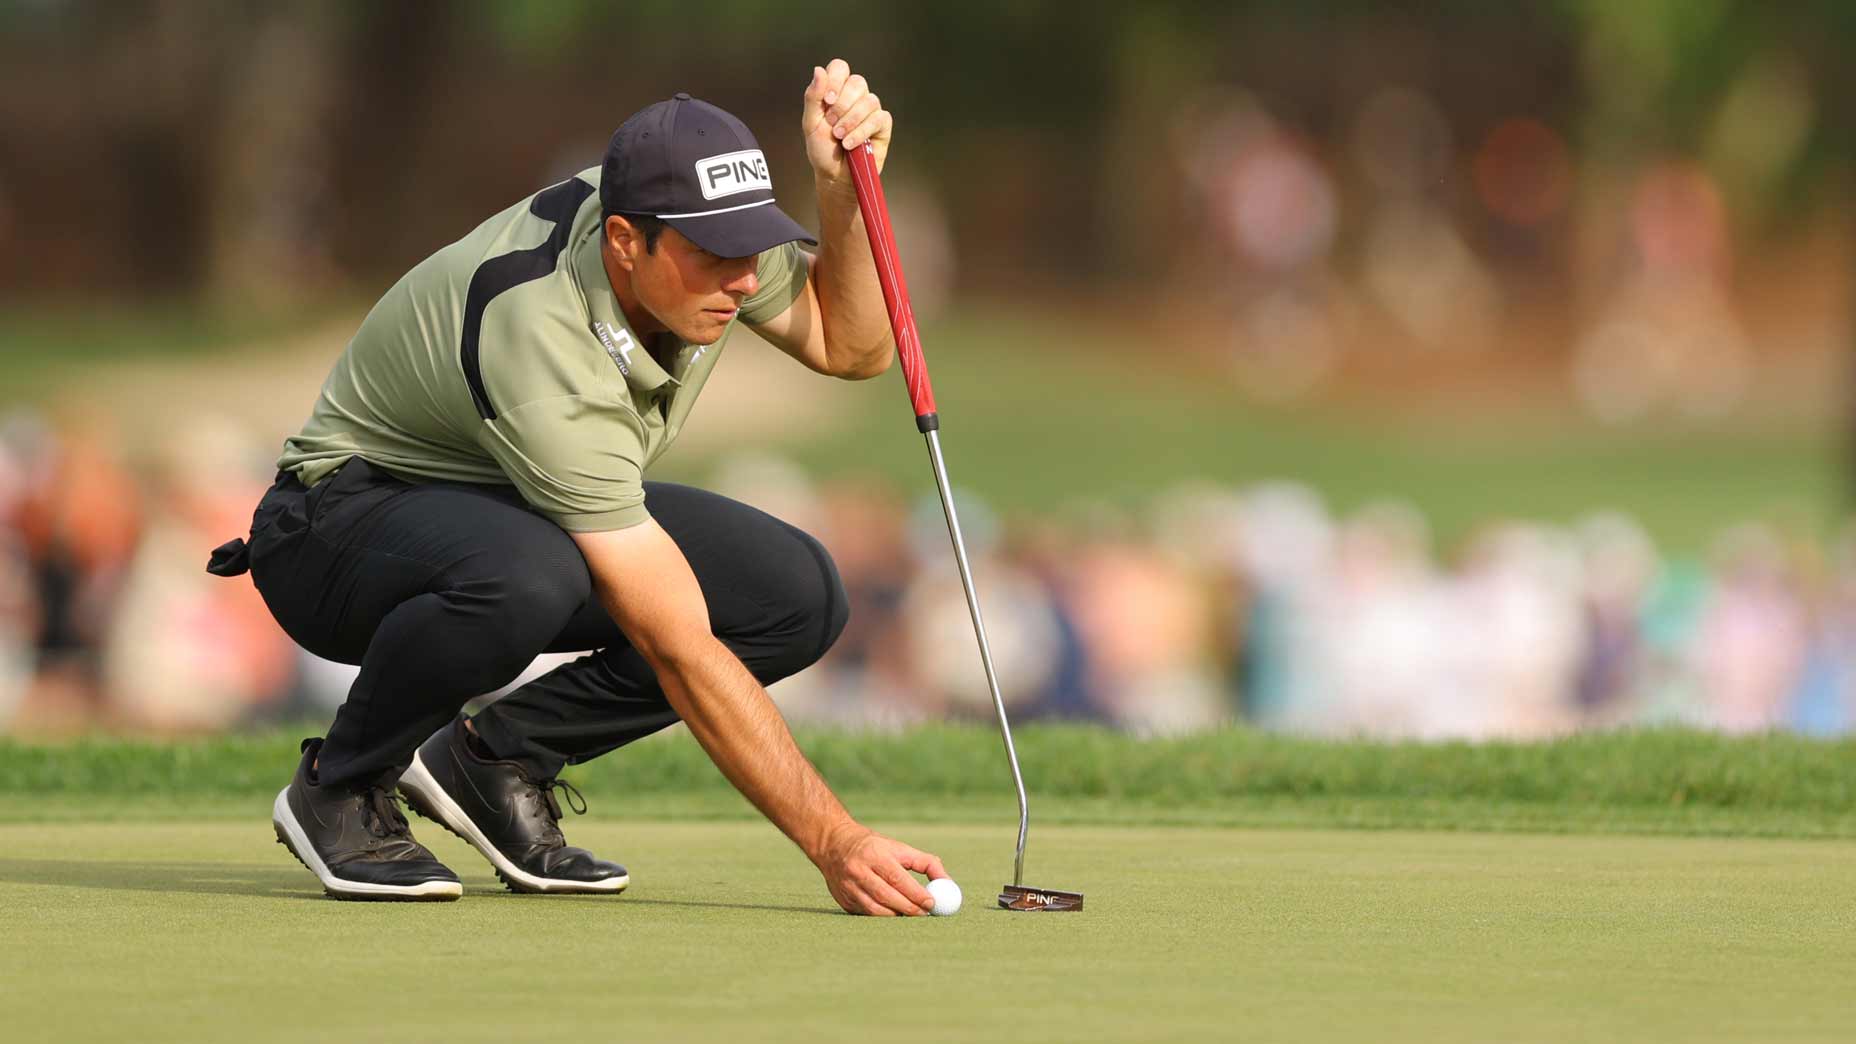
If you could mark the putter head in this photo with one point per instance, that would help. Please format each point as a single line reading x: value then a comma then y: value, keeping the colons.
x: 1032, y: 900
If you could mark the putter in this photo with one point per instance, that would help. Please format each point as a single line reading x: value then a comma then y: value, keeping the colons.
x: 1015, y: 896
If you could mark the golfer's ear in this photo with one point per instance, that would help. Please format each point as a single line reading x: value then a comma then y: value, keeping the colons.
x: 622, y: 239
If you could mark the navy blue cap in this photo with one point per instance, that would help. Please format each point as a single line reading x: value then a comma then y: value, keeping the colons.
x: 701, y: 171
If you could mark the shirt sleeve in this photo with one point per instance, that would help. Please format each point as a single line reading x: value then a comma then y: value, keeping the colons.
x: 578, y: 459
x: 782, y: 276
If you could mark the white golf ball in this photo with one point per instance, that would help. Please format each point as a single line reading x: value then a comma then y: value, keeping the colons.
x: 946, y: 896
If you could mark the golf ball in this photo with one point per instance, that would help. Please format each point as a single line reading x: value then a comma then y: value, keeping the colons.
x: 946, y: 896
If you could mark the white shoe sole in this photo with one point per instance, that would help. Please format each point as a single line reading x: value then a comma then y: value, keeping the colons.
x: 296, y: 839
x: 427, y: 797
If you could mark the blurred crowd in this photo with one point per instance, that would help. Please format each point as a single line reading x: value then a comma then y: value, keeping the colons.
x: 1394, y: 234
x: 1211, y: 605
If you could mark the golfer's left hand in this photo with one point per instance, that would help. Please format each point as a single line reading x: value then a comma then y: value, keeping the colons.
x: 842, y: 114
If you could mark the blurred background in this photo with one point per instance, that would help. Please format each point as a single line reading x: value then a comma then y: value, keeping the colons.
x: 1480, y: 371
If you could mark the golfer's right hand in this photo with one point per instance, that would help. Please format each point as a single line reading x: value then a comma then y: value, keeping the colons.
x: 869, y: 873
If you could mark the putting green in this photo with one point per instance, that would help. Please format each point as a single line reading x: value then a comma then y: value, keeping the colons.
x: 207, y: 930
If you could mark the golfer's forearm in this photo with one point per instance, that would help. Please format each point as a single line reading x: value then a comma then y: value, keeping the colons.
x: 856, y: 326
x: 737, y: 724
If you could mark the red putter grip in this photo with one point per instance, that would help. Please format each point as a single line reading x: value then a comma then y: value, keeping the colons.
x: 895, y: 289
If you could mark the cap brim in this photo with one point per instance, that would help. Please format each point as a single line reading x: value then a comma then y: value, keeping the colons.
x: 742, y: 233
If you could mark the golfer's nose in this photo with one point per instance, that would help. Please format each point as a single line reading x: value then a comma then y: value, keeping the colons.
x: 744, y: 283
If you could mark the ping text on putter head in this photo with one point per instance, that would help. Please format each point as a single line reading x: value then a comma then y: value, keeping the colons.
x: 1039, y: 900
x: 875, y: 210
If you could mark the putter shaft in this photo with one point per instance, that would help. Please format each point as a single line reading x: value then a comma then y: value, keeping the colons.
x: 979, y: 630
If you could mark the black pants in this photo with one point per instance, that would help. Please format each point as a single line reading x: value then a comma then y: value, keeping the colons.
x: 444, y: 591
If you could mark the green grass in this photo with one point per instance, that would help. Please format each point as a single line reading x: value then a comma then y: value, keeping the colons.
x: 1624, y: 782
x: 1037, y: 416
x: 209, y: 931
x: 45, y: 348
x: 145, y: 899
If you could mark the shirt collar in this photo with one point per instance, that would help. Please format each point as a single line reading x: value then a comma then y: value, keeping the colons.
x: 607, y: 321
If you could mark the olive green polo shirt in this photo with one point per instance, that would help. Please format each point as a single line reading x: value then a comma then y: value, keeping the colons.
x: 505, y: 358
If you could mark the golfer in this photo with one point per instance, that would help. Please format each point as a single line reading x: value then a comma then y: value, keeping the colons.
x: 469, y: 492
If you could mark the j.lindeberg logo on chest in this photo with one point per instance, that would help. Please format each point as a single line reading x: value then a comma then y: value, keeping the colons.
x: 733, y: 172
x: 618, y: 344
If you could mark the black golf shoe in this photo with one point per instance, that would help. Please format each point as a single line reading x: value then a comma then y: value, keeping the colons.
x: 512, y: 819
x: 356, y: 842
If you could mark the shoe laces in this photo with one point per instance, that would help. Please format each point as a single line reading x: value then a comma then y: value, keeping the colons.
x: 575, y: 799
x: 385, y: 818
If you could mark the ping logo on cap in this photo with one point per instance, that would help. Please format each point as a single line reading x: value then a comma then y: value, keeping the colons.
x: 733, y: 172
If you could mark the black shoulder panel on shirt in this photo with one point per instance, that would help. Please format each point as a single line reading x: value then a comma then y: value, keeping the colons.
x: 557, y: 204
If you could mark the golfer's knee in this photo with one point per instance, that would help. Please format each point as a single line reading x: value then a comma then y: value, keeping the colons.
x: 499, y: 629
x: 803, y: 611
x: 837, y: 612
x: 549, y: 583
x: 821, y: 608
x: 518, y: 610
x: 544, y: 604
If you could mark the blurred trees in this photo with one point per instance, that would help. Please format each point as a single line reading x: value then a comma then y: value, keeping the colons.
x: 246, y: 149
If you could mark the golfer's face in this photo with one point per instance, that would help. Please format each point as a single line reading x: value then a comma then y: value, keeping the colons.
x: 694, y: 293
